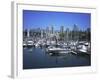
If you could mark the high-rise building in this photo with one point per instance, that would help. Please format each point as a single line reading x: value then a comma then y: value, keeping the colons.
x: 75, y: 32
x: 67, y: 34
x: 52, y: 29
x: 28, y: 33
x: 41, y: 33
x: 62, y: 29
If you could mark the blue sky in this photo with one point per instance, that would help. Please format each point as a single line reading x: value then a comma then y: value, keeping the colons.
x: 43, y: 19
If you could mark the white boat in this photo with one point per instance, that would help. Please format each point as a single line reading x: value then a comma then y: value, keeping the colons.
x: 82, y: 49
x: 24, y: 45
x: 29, y: 43
x: 53, y: 49
x: 57, y: 49
x: 36, y: 45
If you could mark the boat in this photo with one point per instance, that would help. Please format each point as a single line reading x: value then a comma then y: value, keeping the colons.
x: 24, y: 44
x: 82, y: 49
x: 56, y: 50
x: 29, y: 44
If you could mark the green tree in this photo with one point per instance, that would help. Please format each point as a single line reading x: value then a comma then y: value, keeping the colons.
x: 61, y: 35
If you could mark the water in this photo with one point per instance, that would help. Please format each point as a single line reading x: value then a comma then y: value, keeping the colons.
x: 34, y: 58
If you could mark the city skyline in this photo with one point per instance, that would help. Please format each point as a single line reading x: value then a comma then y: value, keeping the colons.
x: 43, y: 19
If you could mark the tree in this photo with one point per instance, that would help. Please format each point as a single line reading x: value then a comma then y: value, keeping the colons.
x: 88, y: 34
x: 67, y: 34
x: 61, y: 35
x: 25, y: 33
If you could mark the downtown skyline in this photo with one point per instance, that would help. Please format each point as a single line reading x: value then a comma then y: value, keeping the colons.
x: 43, y: 19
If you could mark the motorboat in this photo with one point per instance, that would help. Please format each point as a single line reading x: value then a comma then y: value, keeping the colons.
x: 29, y: 44
x: 82, y: 48
x: 53, y: 49
x: 24, y: 44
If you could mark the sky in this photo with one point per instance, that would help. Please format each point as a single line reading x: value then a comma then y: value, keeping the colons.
x: 42, y: 19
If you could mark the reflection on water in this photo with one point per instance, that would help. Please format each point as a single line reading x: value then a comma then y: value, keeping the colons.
x: 37, y: 58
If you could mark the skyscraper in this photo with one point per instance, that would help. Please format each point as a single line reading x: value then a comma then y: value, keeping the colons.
x: 52, y: 29
x: 67, y: 34
x: 62, y: 29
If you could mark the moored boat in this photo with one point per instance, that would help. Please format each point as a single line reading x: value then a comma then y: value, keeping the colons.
x: 57, y: 50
